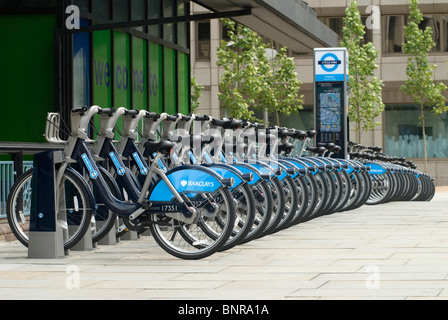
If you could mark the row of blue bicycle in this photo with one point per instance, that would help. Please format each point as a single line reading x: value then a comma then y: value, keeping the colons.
x: 200, y: 184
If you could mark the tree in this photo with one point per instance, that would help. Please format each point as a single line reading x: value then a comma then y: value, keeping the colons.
x: 252, y: 80
x: 240, y: 84
x: 196, y: 93
x: 286, y: 86
x: 365, y: 101
x: 420, y: 83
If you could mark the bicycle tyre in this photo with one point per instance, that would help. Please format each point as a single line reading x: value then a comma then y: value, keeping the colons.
x: 76, y: 224
x: 188, y: 240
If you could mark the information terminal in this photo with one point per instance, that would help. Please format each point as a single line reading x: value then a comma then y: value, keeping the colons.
x: 331, y: 97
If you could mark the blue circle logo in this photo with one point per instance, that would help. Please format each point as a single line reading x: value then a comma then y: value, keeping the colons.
x: 93, y: 174
x: 329, y: 62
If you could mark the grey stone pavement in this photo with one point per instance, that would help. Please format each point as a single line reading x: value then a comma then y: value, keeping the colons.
x: 393, y: 251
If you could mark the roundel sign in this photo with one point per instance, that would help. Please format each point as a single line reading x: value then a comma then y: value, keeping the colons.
x: 330, y: 65
x: 329, y: 62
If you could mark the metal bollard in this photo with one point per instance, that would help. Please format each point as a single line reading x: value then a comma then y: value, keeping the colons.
x: 45, y: 235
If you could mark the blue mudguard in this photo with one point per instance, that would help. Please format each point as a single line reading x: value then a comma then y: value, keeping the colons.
x: 186, y: 179
x: 376, y: 168
x: 227, y: 171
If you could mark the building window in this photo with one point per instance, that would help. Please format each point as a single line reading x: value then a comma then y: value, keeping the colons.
x: 444, y: 32
x: 403, y: 132
x: 83, y: 5
x: 225, y: 33
x: 101, y: 9
x: 168, y: 28
x: 432, y: 21
x: 138, y: 10
x: 337, y: 23
x: 182, y: 27
x: 121, y: 10
x: 393, y: 31
x: 203, y: 40
x: 154, y: 12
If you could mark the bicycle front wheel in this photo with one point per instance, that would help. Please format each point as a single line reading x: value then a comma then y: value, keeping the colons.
x: 73, y: 213
x: 202, y: 237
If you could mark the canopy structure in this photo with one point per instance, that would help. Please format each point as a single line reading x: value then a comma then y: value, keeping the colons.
x: 290, y: 22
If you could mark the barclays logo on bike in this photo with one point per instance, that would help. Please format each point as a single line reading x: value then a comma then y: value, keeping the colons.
x: 188, y: 183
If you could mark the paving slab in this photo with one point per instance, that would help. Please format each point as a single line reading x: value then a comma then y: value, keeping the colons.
x: 393, y: 251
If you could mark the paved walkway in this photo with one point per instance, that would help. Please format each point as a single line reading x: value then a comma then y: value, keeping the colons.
x: 390, y: 251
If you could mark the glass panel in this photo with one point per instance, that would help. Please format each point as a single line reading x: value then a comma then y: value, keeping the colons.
x: 444, y: 40
x: 121, y: 10
x: 139, y: 68
x: 302, y: 120
x: 138, y: 12
x: 102, y: 68
x: 393, y: 33
x: 336, y: 24
x: 403, y: 132
x: 170, y: 80
x: 155, y: 76
x: 83, y: 5
x: 81, y: 67
x: 122, y: 72
x: 183, y: 76
x: 182, y: 26
x: 203, y: 41
x: 154, y: 13
x: 168, y: 28
x: 101, y: 9
x: 432, y: 21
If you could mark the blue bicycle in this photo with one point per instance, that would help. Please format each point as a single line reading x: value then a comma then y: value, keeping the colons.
x: 178, y: 204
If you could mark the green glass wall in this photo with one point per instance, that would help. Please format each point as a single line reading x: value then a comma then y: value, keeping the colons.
x: 122, y: 67
x: 102, y: 69
x: 183, y: 80
x: 155, y: 74
x: 169, y: 80
x: 27, y: 75
x: 139, y: 73
x: 135, y: 73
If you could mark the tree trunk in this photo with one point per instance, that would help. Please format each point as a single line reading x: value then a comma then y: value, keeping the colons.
x: 422, y: 116
x: 358, y: 133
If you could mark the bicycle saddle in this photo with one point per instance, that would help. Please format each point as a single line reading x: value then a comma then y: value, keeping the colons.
x: 311, y: 133
x: 298, y: 134
x: 228, y: 124
x: 163, y: 146
x: 287, y: 147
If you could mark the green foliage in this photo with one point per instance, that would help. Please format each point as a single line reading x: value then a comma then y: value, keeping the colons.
x: 196, y: 93
x: 365, y: 101
x: 420, y: 83
x: 250, y: 79
x: 286, y: 85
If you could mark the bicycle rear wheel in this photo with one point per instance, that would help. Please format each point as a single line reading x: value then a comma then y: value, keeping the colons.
x: 74, y: 208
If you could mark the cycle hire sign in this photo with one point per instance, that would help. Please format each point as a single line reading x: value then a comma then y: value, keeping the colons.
x: 330, y: 97
x: 330, y: 65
